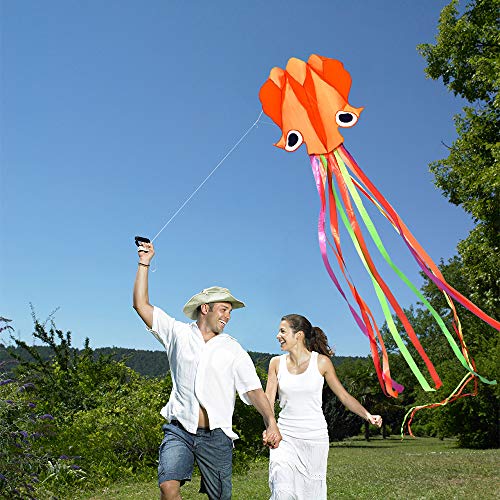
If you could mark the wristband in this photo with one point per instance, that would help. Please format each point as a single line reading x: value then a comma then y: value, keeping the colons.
x: 141, y: 264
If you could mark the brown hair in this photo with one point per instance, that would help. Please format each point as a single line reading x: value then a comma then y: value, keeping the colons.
x: 210, y: 308
x: 315, y: 337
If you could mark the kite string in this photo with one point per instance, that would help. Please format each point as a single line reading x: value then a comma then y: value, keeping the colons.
x: 208, y: 176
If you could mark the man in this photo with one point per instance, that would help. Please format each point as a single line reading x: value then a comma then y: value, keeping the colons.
x: 207, y: 367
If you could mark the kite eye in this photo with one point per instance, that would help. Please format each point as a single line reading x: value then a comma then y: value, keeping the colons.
x: 345, y: 118
x: 293, y: 140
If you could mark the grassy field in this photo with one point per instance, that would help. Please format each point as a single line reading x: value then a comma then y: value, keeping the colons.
x: 422, y: 468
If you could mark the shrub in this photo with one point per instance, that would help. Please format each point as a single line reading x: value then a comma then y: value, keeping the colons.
x: 120, y: 436
x: 25, y: 460
x: 70, y: 380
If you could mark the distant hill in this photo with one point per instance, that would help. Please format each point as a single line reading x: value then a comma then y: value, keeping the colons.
x: 147, y: 363
x: 262, y: 359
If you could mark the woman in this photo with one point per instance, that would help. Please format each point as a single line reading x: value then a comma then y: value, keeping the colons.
x: 297, y: 468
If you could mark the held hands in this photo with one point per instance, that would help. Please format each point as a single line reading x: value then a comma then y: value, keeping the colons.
x: 375, y: 420
x: 271, y: 436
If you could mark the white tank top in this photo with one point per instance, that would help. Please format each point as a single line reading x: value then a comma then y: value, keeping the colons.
x: 300, y: 397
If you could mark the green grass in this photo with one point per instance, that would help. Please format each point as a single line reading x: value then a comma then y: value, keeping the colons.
x: 422, y: 468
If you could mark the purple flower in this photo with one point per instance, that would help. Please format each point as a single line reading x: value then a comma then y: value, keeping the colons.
x: 6, y: 381
x: 47, y: 416
x: 24, y: 434
x: 32, y: 405
x: 75, y: 467
x: 64, y: 457
x: 9, y: 401
x: 29, y: 385
x: 2, y: 478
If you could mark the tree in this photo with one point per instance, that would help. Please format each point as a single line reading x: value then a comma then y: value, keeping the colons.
x: 360, y: 380
x: 466, y: 56
x: 474, y: 420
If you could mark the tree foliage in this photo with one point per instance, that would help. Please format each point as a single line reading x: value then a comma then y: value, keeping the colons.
x: 69, y: 380
x: 466, y: 52
x: 466, y: 56
x: 474, y: 419
x: 102, y: 414
x: 26, y: 462
x: 360, y: 380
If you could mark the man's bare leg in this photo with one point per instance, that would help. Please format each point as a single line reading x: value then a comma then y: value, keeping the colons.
x: 170, y: 490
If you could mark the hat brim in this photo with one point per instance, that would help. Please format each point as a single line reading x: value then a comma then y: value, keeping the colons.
x: 190, y: 309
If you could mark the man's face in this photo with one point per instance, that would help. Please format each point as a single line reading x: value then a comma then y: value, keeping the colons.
x: 218, y: 315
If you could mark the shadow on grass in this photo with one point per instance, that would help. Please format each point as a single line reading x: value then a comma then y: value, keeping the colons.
x: 367, y: 446
x: 393, y: 442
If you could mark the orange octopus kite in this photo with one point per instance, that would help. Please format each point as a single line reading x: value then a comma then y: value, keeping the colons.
x: 309, y: 102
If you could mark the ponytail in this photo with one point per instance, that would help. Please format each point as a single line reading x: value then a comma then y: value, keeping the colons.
x: 319, y: 342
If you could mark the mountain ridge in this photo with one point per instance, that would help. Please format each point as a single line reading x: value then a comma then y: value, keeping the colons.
x: 145, y: 362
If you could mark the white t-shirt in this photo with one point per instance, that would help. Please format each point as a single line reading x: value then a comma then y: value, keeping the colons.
x: 206, y: 373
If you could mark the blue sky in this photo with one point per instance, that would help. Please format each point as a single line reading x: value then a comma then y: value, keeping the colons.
x: 113, y: 112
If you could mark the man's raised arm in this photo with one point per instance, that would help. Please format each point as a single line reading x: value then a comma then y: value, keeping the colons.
x: 141, y: 298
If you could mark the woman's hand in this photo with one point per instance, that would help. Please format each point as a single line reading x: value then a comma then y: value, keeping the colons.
x: 271, y: 438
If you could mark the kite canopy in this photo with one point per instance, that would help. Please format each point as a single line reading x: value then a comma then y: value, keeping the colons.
x: 309, y: 102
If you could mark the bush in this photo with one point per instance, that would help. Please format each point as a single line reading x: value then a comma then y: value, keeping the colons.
x: 248, y: 424
x: 26, y: 462
x: 102, y: 414
x: 70, y: 380
x: 120, y: 437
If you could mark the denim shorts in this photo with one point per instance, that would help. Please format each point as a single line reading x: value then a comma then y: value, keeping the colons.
x: 212, y: 450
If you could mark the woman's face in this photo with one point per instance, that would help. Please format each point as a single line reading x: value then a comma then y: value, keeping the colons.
x: 286, y: 336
